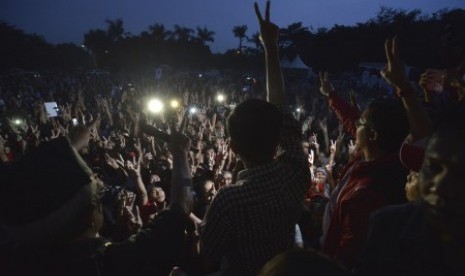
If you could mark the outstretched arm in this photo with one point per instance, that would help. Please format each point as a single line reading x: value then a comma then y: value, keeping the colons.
x: 345, y: 112
x: 181, y: 181
x: 394, y: 74
x: 274, y: 77
x: 134, y: 172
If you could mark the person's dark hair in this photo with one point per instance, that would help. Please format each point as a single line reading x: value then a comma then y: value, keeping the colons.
x: 301, y: 262
x: 199, y: 181
x: 390, y: 122
x: 255, y: 126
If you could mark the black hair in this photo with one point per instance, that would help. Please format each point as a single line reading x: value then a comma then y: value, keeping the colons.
x: 389, y: 120
x: 254, y: 126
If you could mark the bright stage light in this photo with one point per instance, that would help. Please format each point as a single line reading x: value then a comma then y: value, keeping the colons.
x: 220, y: 98
x: 193, y: 110
x: 155, y: 106
x: 17, y: 122
x: 174, y: 104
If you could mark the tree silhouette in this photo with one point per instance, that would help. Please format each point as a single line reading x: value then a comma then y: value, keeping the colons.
x: 31, y: 52
x: 240, y: 32
x: 159, y: 32
x: 182, y: 34
x: 427, y: 41
x: 115, y: 29
x: 255, y: 39
x: 99, y: 44
x: 204, y: 35
x: 293, y: 35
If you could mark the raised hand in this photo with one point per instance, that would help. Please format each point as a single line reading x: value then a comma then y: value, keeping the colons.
x: 80, y: 135
x: 268, y: 30
x: 55, y: 134
x: 66, y: 113
x: 332, y: 147
x: 310, y: 121
x: 432, y: 80
x: 146, y: 157
x: 122, y: 140
x: 394, y: 72
x: 323, y: 125
x: 133, y: 219
x: 224, y: 147
x: 311, y: 157
x: 133, y: 167
x: 111, y: 162
x: 120, y: 161
x: 313, y: 139
x: 94, y: 134
x: 352, y: 147
x: 211, y: 160
x: 104, y: 143
x: 138, y: 148
x: 269, y: 36
x: 64, y: 130
x: 315, y: 142
x: 326, y: 87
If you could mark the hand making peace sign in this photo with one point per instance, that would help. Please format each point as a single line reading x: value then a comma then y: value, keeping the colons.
x: 268, y: 30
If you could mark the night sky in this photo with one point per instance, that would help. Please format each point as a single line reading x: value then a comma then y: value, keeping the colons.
x: 60, y: 21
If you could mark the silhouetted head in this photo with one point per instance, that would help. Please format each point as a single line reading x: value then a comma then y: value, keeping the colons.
x: 383, y: 125
x: 254, y: 127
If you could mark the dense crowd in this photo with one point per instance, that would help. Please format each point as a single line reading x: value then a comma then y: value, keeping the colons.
x: 312, y: 181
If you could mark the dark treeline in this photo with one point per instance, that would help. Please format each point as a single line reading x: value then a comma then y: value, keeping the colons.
x: 25, y: 51
x: 338, y: 49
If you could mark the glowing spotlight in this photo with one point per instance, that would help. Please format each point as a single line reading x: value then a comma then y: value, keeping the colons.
x: 193, y: 110
x: 155, y: 106
x: 220, y: 98
x: 174, y: 104
x: 298, y: 110
x: 17, y: 122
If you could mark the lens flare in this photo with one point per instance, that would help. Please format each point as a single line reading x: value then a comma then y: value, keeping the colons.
x: 155, y: 106
x: 174, y: 104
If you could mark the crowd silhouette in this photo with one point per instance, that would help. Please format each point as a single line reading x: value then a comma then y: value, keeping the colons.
x: 237, y: 174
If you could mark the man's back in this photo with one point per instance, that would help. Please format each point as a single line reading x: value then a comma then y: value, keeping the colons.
x: 250, y: 222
